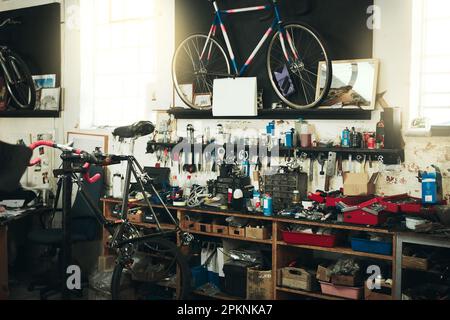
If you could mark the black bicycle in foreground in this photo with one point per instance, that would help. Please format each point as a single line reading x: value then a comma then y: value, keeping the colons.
x: 143, y: 260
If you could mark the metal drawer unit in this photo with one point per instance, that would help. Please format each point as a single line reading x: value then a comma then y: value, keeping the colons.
x: 282, y: 186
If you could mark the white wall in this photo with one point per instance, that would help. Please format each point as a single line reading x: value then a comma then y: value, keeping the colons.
x: 392, y: 45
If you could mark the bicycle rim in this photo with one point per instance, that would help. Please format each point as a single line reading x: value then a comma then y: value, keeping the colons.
x: 158, y: 271
x: 193, y: 77
x: 21, y: 87
x: 295, y: 79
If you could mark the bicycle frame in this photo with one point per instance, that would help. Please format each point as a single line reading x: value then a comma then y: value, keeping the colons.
x: 135, y: 169
x: 275, y: 26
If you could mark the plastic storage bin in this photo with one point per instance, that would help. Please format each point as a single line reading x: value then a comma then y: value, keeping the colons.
x: 342, y: 292
x: 300, y: 238
x: 368, y: 246
x: 199, y: 276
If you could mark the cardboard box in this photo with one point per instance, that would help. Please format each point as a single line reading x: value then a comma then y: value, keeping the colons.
x: 203, y: 227
x: 257, y: 233
x: 359, y: 184
x: 219, y: 229
x: 259, y: 284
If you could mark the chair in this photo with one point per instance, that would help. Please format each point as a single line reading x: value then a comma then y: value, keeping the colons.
x: 85, y: 228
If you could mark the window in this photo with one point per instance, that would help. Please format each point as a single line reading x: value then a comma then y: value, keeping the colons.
x: 119, y: 59
x: 430, y: 92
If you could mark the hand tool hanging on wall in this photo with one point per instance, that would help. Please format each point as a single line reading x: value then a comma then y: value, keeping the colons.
x: 331, y: 169
x: 311, y: 168
x: 322, y: 164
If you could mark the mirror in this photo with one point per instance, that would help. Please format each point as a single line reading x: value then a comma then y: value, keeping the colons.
x: 354, y: 84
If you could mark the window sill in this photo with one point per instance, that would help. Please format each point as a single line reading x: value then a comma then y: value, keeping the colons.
x: 440, y: 131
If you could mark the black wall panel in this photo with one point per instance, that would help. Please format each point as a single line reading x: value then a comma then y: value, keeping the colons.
x: 342, y: 24
x: 37, y: 39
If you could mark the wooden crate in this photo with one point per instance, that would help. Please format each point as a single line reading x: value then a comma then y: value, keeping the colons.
x: 188, y: 225
x: 236, y: 232
x: 414, y: 263
x: 218, y: 229
x: 257, y: 233
x: 342, y: 280
x: 296, y: 278
x: 203, y: 227
x: 136, y: 218
x: 259, y: 284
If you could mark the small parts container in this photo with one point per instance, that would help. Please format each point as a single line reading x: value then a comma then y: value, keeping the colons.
x: 352, y: 293
x: 368, y: 246
x: 300, y: 238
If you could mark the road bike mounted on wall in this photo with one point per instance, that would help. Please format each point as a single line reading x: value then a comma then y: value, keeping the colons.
x: 293, y: 57
x: 16, y: 75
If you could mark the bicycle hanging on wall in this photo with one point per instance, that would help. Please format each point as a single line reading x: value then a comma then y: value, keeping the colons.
x: 293, y: 57
x: 17, y: 76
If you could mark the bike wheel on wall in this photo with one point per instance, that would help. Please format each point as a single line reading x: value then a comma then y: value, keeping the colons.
x: 19, y: 82
x: 195, y: 65
x: 155, y: 265
x: 293, y: 61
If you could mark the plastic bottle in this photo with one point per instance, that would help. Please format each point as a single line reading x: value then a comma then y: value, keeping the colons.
x: 187, y: 187
x: 346, y: 138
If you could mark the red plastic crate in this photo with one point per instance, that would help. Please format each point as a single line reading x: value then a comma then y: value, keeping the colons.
x: 308, y: 239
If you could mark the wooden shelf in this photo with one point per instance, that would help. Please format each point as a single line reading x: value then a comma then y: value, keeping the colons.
x: 280, y: 114
x: 390, y: 156
x: 342, y: 250
x: 149, y: 225
x: 227, y: 236
x: 309, y: 294
x: 29, y: 114
x: 218, y: 296
x: 335, y: 225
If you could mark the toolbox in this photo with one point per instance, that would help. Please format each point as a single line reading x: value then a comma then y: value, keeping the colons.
x: 281, y: 187
x: 316, y: 240
x: 331, y: 200
x: 296, y: 278
x: 370, y: 213
x: 369, y: 246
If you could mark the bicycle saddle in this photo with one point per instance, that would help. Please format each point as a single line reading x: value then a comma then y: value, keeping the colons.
x: 136, y: 130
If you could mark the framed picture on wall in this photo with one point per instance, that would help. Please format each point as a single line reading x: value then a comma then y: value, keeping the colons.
x: 188, y: 93
x: 203, y: 100
x: 354, y: 84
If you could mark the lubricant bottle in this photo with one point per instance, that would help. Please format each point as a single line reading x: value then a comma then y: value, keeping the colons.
x: 380, y: 135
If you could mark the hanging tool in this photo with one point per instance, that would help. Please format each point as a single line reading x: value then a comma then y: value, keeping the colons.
x: 322, y: 162
x: 311, y: 168
x: 331, y: 169
x: 350, y: 163
x: 340, y: 167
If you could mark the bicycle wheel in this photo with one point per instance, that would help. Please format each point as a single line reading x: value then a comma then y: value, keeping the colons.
x: 156, y: 265
x: 293, y: 65
x: 19, y: 82
x: 195, y: 65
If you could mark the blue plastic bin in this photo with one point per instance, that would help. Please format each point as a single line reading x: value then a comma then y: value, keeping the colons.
x: 199, y: 276
x: 368, y: 246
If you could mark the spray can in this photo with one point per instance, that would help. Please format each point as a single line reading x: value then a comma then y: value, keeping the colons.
x: 346, y: 138
x: 268, y: 205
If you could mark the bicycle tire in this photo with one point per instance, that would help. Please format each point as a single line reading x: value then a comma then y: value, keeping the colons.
x: 183, y: 271
x: 23, y: 91
x: 176, y: 76
x: 326, y: 57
